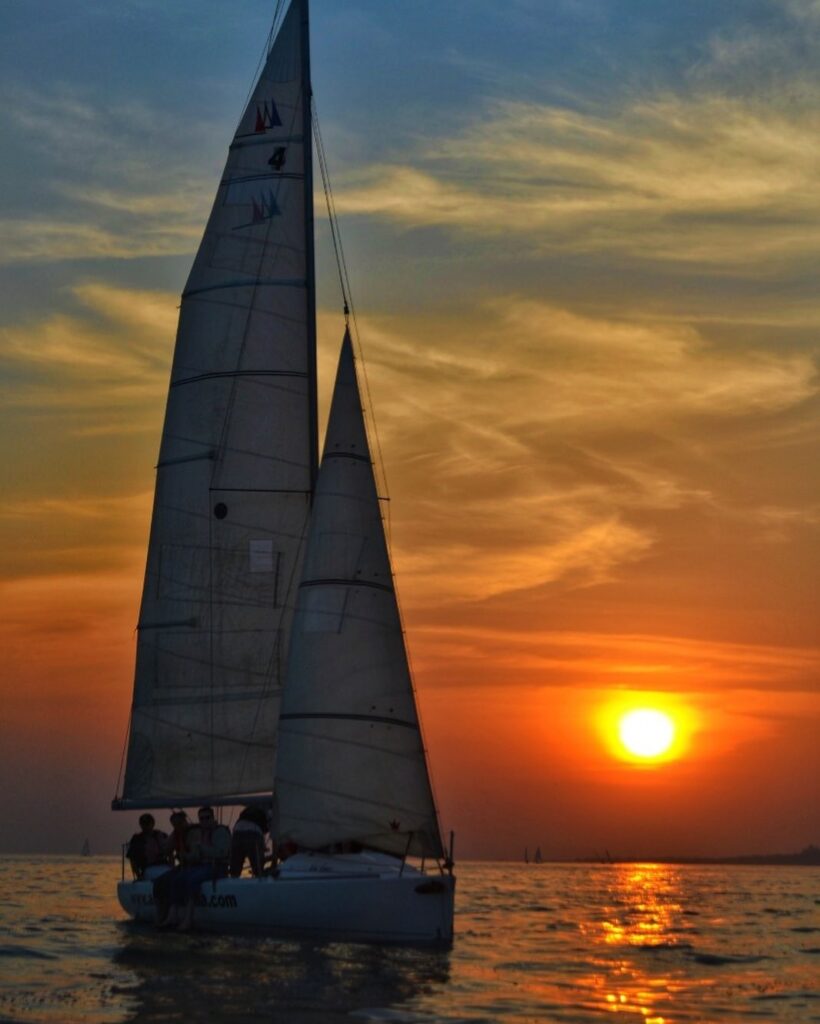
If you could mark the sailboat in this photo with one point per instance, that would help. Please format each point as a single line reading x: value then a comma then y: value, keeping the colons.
x: 86, y: 849
x: 538, y: 858
x: 271, y: 665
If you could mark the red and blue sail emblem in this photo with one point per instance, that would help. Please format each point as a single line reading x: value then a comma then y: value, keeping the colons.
x: 267, y: 116
x: 263, y: 208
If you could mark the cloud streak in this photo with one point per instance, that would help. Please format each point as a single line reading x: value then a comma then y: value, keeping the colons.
x: 560, y: 444
x: 544, y: 658
x: 706, y: 178
x: 110, y: 359
x: 99, y: 198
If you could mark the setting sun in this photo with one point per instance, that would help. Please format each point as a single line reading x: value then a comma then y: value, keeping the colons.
x: 646, y: 728
x: 646, y: 732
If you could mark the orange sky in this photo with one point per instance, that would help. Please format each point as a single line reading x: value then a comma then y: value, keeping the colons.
x: 590, y: 334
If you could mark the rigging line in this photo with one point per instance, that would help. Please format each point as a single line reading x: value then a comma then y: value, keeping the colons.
x: 348, y: 299
x: 220, y: 448
x: 269, y: 230
x: 211, y: 642
x: 118, y: 790
x: 347, y: 296
x: 275, y: 665
x: 320, y: 151
x: 274, y: 28
x: 263, y: 56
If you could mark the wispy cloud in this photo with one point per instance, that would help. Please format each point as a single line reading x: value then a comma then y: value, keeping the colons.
x: 546, y: 458
x: 83, y: 535
x: 48, y: 241
x: 604, y: 660
x: 107, y: 365
x: 698, y: 178
x: 88, y: 146
x: 588, y: 552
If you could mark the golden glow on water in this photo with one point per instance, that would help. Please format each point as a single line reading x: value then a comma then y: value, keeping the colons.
x: 645, y: 907
x: 652, y: 943
x: 640, y: 908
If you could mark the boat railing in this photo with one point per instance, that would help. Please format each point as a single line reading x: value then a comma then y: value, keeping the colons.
x: 406, y: 853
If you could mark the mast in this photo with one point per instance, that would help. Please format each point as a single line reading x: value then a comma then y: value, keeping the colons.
x: 310, y: 266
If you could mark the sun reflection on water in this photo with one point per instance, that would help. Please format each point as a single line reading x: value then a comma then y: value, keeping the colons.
x: 645, y: 908
x: 641, y: 908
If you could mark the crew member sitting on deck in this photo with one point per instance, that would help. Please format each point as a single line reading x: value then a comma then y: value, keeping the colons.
x: 176, y: 850
x: 207, y: 850
x: 148, y: 847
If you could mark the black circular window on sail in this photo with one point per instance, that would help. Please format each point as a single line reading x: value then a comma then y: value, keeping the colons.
x: 220, y: 510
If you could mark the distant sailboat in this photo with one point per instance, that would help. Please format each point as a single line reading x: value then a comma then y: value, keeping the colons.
x: 86, y: 850
x: 271, y: 664
x: 538, y: 857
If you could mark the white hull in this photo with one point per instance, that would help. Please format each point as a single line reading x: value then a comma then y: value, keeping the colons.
x: 329, y: 898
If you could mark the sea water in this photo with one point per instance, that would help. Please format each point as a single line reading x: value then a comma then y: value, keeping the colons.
x: 653, y: 943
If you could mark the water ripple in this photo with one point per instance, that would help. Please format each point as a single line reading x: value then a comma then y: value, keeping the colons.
x: 567, y: 944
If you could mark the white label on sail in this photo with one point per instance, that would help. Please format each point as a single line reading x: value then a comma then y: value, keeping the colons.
x: 261, y: 556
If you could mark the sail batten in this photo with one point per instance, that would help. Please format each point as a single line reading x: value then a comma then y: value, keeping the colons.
x: 295, y: 716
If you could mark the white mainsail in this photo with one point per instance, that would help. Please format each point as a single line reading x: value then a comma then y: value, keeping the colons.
x: 350, y: 764
x: 236, y: 467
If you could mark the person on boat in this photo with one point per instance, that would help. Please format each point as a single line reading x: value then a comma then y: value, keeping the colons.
x: 248, y: 841
x: 206, y: 857
x: 148, y: 847
x: 175, y: 850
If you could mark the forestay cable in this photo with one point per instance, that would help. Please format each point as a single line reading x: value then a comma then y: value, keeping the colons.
x: 347, y: 296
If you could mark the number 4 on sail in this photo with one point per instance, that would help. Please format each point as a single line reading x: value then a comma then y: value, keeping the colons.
x: 271, y: 666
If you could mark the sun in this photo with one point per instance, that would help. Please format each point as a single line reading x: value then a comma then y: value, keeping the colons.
x: 646, y: 732
x: 646, y: 729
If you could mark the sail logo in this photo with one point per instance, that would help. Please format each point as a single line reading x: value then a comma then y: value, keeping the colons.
x: 263, y: 208
x: 267, y: 116
x: 277, y: 161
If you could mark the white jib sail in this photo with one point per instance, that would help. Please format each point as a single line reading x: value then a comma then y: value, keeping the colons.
x: 236, y: 464
x: 350, y: 764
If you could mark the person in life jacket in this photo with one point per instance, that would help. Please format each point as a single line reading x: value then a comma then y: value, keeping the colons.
x: 148, y: 847
x: 206, y: 855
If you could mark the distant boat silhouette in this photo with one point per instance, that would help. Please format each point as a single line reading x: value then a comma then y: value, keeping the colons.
x: 538, y: 858
x: 86, y: 850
